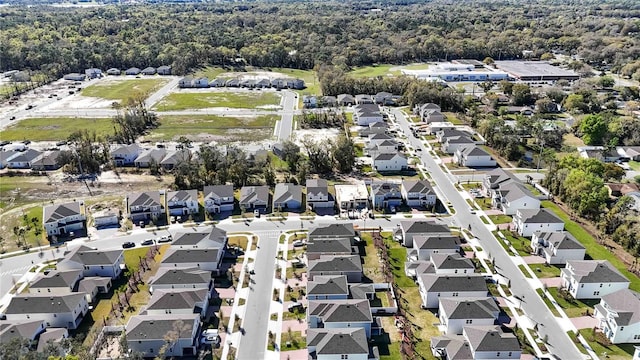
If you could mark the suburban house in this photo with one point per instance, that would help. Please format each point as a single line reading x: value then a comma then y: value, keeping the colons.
x: 331, y: 231
x: 390, y: 162
x: 364, y: 99
x: 615, y: 189
x: 146, y: 334
x: 340, y: 314
x: 433, y: 287
x: 105, y: 263
x: 433, y: 116
x: 477, y: 342
x: 557, y: 247
x: 349, y: 266
x: 148, y: 71
x: 451, y: 264
x: 318, y: 195
x: 528, y: 221
x: 329, y: 101
x: 182, y: 202
x: 93, y: 285
x: 168, y: 278
x: 341, y: 343
x: 435, y: 127
x: 333, y: 287
x: 352, y: 196
x: 427, y: 244
x: 448, y: 132
x: 309, y: 101
x: 287, y: 196
x: 214, y: 239
x: 113, y: 71
x: 384, y: 98
x: 376, y: 147
x: 28, y: 330
x: 513, y: 196
x: 418, y: 193
x: 132, y: 71
x: 75, y: 77
x: 618, y: 316
x: 22, y: 159
x: 451, y: 144
x: 105, y: 218
x: 205, y: 259
x: 456, y: 313
x: 46, y: 161
x: 318, y: 247
x: 93, y: 73
x: 218, y: 198
x: 59, y: 311
x: 385, y: 195
x: 191, y: 82
x: 345, y: 100
x: 374, y: 128
x: 125, y: 155
x: 425, y: 109
x: 407, y: 229
x: 172, y: 159
x: 254, y: 197
x: 181, y: 301
x: 365, y: 114
x: 144, y: 206
x: 473, y: 156
x: 592, y: 279
x: 164, y: 70
x: 63, y: 219
x: 56, y: 282
x: 494, y: 179
x: 150, y: 157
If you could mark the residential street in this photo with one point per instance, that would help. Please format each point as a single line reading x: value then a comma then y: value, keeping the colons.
x: 285, y: 125
x: 559, y: 342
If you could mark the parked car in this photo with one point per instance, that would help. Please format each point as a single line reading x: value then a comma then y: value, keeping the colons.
x: 298, y: 243
x: 164, y: 239
x: 210, y: 337
x: 128, y: 245
x: 147, y: 242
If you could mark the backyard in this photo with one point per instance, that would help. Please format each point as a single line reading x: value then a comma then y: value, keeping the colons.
x: 228, y: 99
x: 54, y: 128
x: 123, y: 89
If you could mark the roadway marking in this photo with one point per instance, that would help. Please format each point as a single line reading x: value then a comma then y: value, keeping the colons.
x: 13, y: 271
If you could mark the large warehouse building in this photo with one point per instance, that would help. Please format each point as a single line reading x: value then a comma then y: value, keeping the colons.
x: 535, y: 71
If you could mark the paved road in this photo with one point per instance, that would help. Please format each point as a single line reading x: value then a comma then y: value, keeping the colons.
x: 559, y: 342
x: 285, y: 125
x: 256, y: 319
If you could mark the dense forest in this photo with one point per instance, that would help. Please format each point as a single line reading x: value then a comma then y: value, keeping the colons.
x: 306, y: 34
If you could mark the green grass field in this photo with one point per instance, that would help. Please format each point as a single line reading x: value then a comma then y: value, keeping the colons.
x: 613, y: 352
x: 416, y: 67
x: 594, y: 250
x: 210, y: 72
x: 233, y: 128
x: 373, y: 71
x: 123, y: 89
x: 202, y: 100
x: 309, y: 76
x: 53, y: 129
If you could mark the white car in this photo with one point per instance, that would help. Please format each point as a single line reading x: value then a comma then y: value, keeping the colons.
x: 298, y: 243
x: 210, y: 337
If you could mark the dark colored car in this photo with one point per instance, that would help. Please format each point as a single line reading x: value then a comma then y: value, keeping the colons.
x: 147, y: 242
x: 128, y: 245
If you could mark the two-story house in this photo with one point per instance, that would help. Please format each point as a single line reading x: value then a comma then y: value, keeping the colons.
x: 218, y: 198
x: 148, y: 334
x: 456, y: 313
x: 254, y: 198
x: 334, y: 344
x: 319, y: 247
x: 318, y: 195
x: 592, y: 279
x: 349, y: 266
x: 61, y: 311
x: 182, y: 202
x: 451, y: 264
x: 385, y: 195
x: 332, y: 287
x: 425, y: 245
x: 352, y: 196
x: 56, y: 282
x: 92, y: 262
x: 125, y: 155
x: 513, y: 196
x: 407, y: 229
x: 418, y: 193
x: 618, y: 316
x: 527, y: 221
x: 287, y: 196
x: 390, y: 162
x: 63, y: 219
x: 181, y: 301
x: 557, y: 247
x: 144, y: 206
x: 433, y: 287
x: 205, y: 259
x: 215, y: 238
x: 477, y: 342
x: 473, y: 156
x: 168, y: 279
x: 340, y: 314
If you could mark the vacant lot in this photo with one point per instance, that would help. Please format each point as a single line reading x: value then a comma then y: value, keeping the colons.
x: 213, y: 127
x: 53, y: 129
x: 203, y: 100
x: 374, y: 71
x: 123, y: 89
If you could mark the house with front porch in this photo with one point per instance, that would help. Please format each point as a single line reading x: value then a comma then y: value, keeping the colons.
x: 144, y: 206
x: 618, y: 316
x: 557, y: 247
x: 385, y: 195
x: 125, y: 155
x: 63, y: 219
x: 254, y: 198
x: 528, y: 221
x: 287, y: 196
x: 218, y: 198
x: 418, y: 193
x: 592, y: 279
x: 318, y: 195
x: 182, y: 202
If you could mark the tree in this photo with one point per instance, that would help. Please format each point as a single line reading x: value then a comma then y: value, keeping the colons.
x: 544, y: 105
x: 521, y: 94
x: 546, y: 56
x: 593, y: 129
x: 319, y: 155
x: 344, y: 154
x: 575, y: 102
x: 486, y: 85
x: 291, y: 154
x: 585, y: 192
x: 606, y: 81
x: 488, y: 60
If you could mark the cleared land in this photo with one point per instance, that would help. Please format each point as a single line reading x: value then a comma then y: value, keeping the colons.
x: 374, y: 71
x: 123, y: 89
x: 209, y: 127
x: 210, y: 72
x: 53, y: 129
x: 203, y: 100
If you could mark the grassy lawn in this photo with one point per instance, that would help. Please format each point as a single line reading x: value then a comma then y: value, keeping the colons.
x: 371, y: 266
x: 547, y: 302
x: 373, y: 71
x: 572, y: 140
x: 452, y: 118
x: 310, y: 80
x: 524, y: 271
x: 123, y: 89
x: 240, y: 241
x: 533, y: 190
x: 203, y: 100
x: 17, y: 219
x: 210, y: 72
x: 416, y: 67
x: 594, y: 250
x: 500, y: 219
x: 388, y: 350
x: 573, y: 307
x: 54, y: 129
x: 293, y: 340
x: 521, y: 244
x: 635, y: 165
x: 545, y: 271
x: 231, y: 128
x: 614, y: 352
x: 485, y: 203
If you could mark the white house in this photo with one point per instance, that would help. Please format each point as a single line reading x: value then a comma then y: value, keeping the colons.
x: 618, y: 316
x: 150, y: 157
x: 376, y: 147
x: 490, y: 342
x: 104, y: 218
x: 218, y: 198
x: 428, y: 244
x: 168, y: 278
x: 336, y: 344
x: 365, y: 114
x: 204, y: 259
x: 215, y: 238
x: 390, y: 162
x: 513, y: 196
x: 352, y: 196
x: 455, y: 313
x: 451, y: 264
x: 125, y: 155
x: 60, y: 311
x: 526, y: 222
x: 56, y: 282
x: 592, y: 279
x: 327, y: 265
x: 146, y: 334
x: 433, y: 287
x: 62, y: 219
x: 182, y: 202
x: 340, y: 314
x: 408, y: 229
x: 452, y: 143
x: 318, y: 195
x: 106, y: 263
x: 418, y: 193
x: 473, y: 156
x: 557, y: 247
x: 433, y: 116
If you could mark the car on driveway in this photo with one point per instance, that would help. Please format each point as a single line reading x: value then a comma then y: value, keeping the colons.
x: 147, y: 242
x: 210, y: 337
x: 128, y: 245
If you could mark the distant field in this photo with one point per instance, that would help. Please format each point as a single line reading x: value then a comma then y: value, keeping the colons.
x: 416, y: 67
x: 374, y: 71
x: 201, y: 127
x: 210, y: 72
x: 120, y: 90
x: 54, y: 129
x: 203, y: 100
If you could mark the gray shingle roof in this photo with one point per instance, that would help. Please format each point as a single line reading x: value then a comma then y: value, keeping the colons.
x: 51, y: 335
x: 181, y: 299
x: 424, y: 226
x: 149, y: 155
x: 149, y: 198
x: 595, y: 271
x: 89, y: 284
x: 181, y: 276
x: 88, y: 256
x: 448, y: 261
x: 388, y: 156
x: 455, y: 346
x: 328, y: 285
x: 286, y: 191
x: 498, y: 176
x: 490, y: 338
x: 474, y: 151
x: 250, y: 194
x: 57, y: 279
x: 182, y: 195
x: 53, y: 213
x: 214, y: 239
x: 346, y: 263
x: 443, y: 283
x: 147, y: 327
x: 26, y: 330
x: 350, y: 310
x: 470, y: 308
x: 626, y: 303
x: 125, y: 150
x: 44, y: 304
x: 218, y: 191
x: 332, y: 230
x: 561, y: 240
x: 539, y: 216
x: 338, y: 341
x: 425, y: 242
x: 333, y: 245
x: 515, y: 190
x: 383, y: 188
x: 418, y: 186
x: 360, y: 291
x: 182, y: 256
